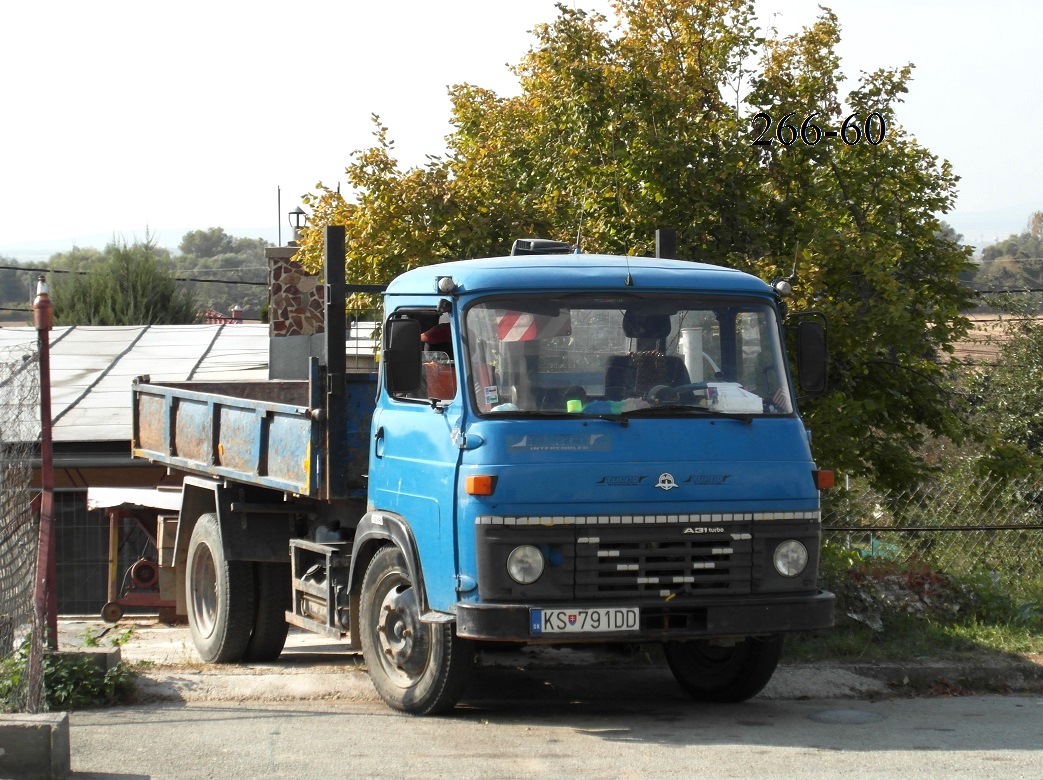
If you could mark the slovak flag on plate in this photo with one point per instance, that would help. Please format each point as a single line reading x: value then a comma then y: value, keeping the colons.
x: 524, y: 326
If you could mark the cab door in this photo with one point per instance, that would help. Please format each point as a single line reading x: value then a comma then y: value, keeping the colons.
x: 414, y: 460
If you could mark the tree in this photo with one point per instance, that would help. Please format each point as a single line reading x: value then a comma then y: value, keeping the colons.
x: 206, y: 243
x: 862, y: 220
x: 124, y: 285
x: 1016, y: 263
x: 1035, y: 224
x: 17, y: 284
x: 1006, y: 407
x: 619, y: 131
x: 237, y: 266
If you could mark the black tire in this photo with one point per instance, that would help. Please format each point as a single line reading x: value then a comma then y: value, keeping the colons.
x: 710, y: 672
x: 273, y: 597
x: 418, y: 668
x: 220, y: 596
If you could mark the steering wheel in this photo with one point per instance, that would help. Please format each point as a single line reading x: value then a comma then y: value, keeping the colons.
x: 658, y: 395
x: 689, y: 393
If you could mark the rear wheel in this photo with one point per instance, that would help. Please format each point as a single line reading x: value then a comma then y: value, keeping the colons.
x: 709, y: 672
x: 220, y: 596
x: 272, y: 583
x: 416, y: 667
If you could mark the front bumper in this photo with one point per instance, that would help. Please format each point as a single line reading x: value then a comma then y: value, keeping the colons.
x: 660, y: 621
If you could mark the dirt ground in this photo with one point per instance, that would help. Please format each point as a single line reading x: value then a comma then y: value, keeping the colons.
x: 316, y: 668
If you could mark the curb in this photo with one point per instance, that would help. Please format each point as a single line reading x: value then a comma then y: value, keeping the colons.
x: 953, y: 678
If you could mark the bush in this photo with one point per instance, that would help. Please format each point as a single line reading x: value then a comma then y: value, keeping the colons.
x: 70, y: 681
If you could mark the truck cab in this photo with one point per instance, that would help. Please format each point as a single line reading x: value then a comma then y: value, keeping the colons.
x: 592, y: 448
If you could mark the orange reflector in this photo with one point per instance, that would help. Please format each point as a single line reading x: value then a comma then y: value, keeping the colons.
x: 823, y: 479
x: 480, y: 485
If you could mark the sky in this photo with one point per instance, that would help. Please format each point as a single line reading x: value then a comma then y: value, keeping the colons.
x: 125, y: 116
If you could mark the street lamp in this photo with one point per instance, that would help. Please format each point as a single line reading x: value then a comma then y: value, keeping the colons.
x: 297, y: 219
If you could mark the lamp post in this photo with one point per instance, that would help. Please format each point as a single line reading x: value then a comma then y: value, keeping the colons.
x: 46, y: 576
x: 297, y: 219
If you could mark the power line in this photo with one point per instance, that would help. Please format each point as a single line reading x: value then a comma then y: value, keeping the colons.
x: 232, y: 268
x: 176, y: 278
x: 1009, y: 292
x: 222, y: 282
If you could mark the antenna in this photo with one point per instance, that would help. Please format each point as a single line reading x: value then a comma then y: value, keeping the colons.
x: 579, y: 230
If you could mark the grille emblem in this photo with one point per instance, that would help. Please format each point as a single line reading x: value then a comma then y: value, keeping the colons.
x: 666, y: 482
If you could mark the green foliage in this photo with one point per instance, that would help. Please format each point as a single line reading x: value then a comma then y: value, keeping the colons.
x: 71, y: 681
x: 888, y: 610
x: 1016, y: 263
x: 14, y: 677
x: 90, y: 639
x: 123, y: 285
x: 17, y: 286
x: 621, y: 130
x: 1007, y: 408
x: 213, y: 254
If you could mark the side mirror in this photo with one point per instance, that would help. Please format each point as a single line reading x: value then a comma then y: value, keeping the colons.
x: 812, y: 357
x: 402, y: 356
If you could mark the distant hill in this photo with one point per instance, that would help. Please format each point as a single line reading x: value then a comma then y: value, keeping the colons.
x: 40, y: 251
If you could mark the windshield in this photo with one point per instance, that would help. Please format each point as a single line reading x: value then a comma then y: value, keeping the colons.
x: 590, y: 355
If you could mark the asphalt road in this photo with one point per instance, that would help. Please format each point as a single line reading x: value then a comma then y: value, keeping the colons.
x: 641, y: 736
x: 314, y: 714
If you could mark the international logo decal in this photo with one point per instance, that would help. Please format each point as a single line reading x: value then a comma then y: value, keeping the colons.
x: 666, y: 482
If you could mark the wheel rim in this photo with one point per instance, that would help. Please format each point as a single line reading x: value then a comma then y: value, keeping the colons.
x: 203, y: 584
x: 403, y: 640
x: 713, y: 657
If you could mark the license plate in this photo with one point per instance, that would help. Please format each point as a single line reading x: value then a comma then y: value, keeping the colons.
x: 584, y: 621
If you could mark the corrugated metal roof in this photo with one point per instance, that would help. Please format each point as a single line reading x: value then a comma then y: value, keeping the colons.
x: 92, y: 368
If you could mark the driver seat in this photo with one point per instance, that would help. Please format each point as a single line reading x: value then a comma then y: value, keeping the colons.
x: 633, y: 375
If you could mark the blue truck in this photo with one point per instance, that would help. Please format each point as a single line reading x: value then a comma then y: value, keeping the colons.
x: 557, y: 449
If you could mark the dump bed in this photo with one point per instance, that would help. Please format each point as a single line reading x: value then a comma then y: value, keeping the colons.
x: 270, y: 433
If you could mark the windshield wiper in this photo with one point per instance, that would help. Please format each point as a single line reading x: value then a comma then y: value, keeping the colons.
x: 651, y: 411
x: 616, y: 418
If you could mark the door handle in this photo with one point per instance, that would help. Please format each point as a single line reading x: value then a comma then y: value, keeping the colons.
x: 378, y: 442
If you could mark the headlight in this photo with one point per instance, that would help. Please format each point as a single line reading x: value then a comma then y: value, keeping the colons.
x: 791, y: 558
x: 525, y: 564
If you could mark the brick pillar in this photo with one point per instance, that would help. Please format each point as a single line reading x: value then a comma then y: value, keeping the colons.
x: 295, y: 315
x: 295, y: 296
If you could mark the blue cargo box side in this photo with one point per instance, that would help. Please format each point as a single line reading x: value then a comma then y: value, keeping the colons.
x: 231, y: 430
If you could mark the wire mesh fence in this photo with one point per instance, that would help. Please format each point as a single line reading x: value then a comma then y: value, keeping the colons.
x: 21, y: 637
x: 961, y: 525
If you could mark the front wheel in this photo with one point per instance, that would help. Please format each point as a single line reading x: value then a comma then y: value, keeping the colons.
x: 416, y: 667
x: 717, y: 673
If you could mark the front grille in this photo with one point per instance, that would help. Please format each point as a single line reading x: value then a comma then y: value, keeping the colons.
x: 667, y: 561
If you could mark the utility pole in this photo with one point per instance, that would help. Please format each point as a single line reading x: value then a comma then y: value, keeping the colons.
x: 46, y: 569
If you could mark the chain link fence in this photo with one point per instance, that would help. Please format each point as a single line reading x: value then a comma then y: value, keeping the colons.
x: 21, y: 632
x: 962, y: 525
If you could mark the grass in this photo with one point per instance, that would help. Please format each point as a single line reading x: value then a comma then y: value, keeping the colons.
x: 907, y: 638
x: 902, y: 612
